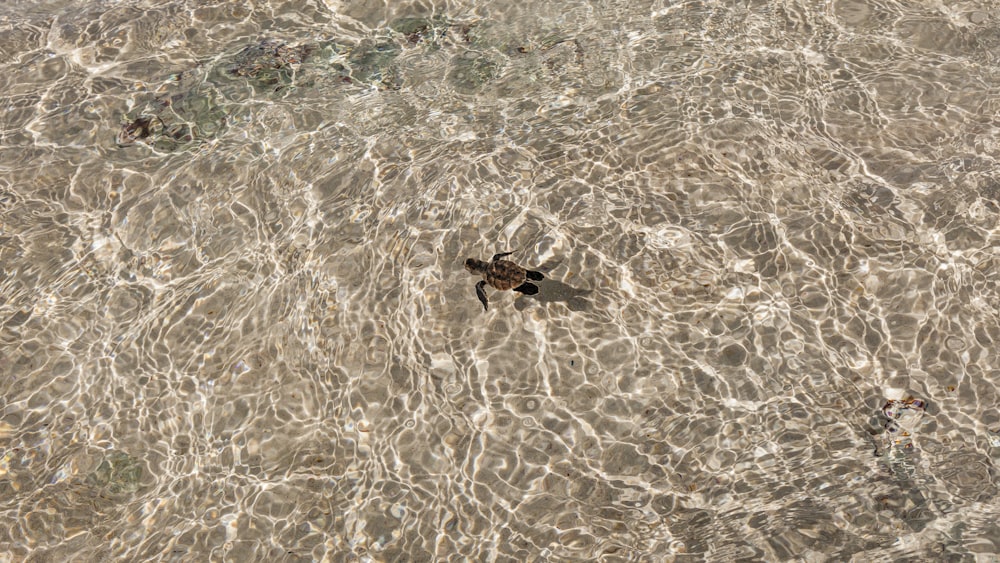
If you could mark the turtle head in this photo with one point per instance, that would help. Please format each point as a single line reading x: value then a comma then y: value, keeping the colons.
x: 475, y: 266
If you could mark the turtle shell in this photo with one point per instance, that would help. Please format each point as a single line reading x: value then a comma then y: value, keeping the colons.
x: 503, y: 274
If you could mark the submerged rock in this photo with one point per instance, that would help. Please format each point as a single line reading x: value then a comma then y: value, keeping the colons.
x: 138, y: 129
x: 372, y: 63
x: 901, y: 420
x: 422, y: 30
x: 168, y: 122
x: 117, y: 473
x: 472, y: 70
x: 270, y: 62
x: 194, y: 106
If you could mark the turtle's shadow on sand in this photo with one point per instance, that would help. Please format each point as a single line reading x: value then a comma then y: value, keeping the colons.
x: 552, y: 291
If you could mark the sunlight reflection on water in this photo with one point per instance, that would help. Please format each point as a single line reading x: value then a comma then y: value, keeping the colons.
x: 236, y: 323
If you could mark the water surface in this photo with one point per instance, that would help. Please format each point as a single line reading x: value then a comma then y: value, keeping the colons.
x: 235, y: 325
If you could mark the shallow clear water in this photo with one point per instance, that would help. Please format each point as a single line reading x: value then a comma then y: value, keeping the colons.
x: 235, y: 325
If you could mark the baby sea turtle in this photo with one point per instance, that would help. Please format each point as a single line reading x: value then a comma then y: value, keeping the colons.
x: 502, y: 275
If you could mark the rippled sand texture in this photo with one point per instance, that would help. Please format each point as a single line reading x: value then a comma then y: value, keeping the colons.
x: 236, y: 325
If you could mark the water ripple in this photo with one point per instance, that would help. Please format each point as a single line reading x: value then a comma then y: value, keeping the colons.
x: 236, y: 323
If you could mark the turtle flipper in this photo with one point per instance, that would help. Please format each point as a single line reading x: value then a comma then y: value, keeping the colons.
x: 501, y: 255
x: 535, y: 276
x: 481, y: 293
x: 527, y: 288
